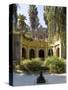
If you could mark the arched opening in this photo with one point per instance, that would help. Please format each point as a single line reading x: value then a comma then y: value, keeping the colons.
x: 50, y: 52
x: 23, y: 53
x: 32, y: 54
x: 57, y: 52
x: 41, y: 53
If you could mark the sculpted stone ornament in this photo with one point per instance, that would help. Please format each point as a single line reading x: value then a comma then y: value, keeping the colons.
x: 41, y: 79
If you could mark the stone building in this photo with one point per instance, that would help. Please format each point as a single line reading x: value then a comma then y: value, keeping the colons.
x: 34, y: 44
x: 28, y: 47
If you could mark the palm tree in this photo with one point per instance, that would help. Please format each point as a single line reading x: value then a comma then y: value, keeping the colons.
x: 34, y: 21
x: 23, y: 27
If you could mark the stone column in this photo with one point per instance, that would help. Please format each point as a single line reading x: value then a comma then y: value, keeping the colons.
x: 27, y: 53
x: 46, y: 52
x: 60, y: 50
x: 54, y: 50
x: 20, y: 46
x: 36, y: 52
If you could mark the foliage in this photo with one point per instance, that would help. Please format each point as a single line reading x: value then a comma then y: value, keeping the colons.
x: 17, y: 67
x: 55, y: 64
x: 36, y: 64
x: 25, y: 64
x: 51, y: 64
x: 34, y: 21
x: 55, y: 18
x: 22, y: 25
x: 31, y: 65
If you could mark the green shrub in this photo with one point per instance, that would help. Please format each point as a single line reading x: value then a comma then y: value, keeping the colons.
x: 25, y: 64
x: 36, y: 64
x: 17, y: 67
x: 52, y: 64
x: 55, y: 64
x: 31, y: 65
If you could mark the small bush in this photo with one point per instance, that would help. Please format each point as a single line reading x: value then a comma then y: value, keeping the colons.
x: 36, y: 64
x: 17, y: 67
x: 25, y: 64
x: 55, y: 64
x: 31, y: 65
x: 52, y: 64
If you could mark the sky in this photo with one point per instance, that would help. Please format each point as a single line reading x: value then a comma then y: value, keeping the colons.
x: 24, y: 8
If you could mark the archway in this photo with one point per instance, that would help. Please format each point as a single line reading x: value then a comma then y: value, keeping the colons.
x: 57, y: 52
x: 50, y: 52
x: 41, y: 53
x: 23, y: 53
x: 32, y: 54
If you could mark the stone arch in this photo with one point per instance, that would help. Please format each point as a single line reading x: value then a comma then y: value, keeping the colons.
x: 50, y: 52
x: 41, y: 53
x: 23, y: 53
x: 32, y: 53
x: 57, y: 51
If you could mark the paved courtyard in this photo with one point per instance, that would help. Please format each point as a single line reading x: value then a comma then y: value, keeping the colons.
x: 30, y: 79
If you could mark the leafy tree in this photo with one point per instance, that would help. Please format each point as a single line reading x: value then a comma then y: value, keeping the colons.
x: 55, y: 18
x: 22, y: 25
x: 49, y: 17
x: 34, y: 21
